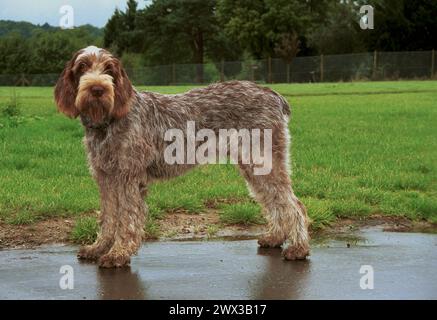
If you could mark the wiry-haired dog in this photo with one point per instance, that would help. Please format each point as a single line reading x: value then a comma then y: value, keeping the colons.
x: 124, y: 138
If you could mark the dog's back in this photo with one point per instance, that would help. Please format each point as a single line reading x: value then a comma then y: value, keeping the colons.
x: 233, y: 104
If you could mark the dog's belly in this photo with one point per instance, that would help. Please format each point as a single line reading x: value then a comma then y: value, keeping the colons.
x: 161, y: 170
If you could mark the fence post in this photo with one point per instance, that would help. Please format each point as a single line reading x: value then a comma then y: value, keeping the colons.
x: 270, y: 69
x: 288, y: 72
x: 432, y: 63
x: 222, y: 71
x: 375, y: 64
x: 173, y: 74
x: 252, y: 73
x: 322, y: 68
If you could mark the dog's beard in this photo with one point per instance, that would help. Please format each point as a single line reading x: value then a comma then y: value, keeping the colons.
x: 95, y: 110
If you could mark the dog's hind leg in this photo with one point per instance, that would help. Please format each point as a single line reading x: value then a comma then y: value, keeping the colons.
x: 107, y: 220
x: 286, y: 215
x: 131, y: 217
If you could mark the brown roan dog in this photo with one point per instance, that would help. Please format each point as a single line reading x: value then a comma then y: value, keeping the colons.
x: 124, y: 139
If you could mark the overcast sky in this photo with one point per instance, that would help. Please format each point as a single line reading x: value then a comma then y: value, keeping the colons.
x: 95, y: 12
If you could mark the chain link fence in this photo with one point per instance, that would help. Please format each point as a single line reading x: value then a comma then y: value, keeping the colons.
x: 328, y: 68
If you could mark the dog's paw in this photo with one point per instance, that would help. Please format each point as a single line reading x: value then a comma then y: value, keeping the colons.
x: 268, y: 241
x: 94, y: 251
x: 88, y: 253
x: 296, y: 252
x: 113, y: 260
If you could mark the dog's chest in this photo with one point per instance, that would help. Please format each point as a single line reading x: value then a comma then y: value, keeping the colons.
x: 111, y: 155
x: 104, y: 153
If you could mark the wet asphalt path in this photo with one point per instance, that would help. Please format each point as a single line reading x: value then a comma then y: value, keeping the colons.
x: 404, y: 266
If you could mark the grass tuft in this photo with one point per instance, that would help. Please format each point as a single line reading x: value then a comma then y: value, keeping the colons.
x: 12, y: 107
x: 21, y: 218
x: 319, y: 211
x: 85, y: 230
x: 241, y: 213
x: 151, y: 229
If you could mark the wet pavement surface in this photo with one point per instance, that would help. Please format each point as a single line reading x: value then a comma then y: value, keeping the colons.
x: 404, y: 266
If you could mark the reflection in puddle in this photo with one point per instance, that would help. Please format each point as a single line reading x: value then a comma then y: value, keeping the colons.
x: 280, y: 279
x: 120, y: 283
x: 275, y: 279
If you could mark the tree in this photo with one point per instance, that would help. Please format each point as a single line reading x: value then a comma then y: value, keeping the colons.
x: 340, y: 32
x: 121, y: 34
x: 15, y: 54
x: 51, y: 50
x: 112, y: 31
x: 220, y: 49
x: 402, y: 25
x: 43, y: 49
x: 179, y: 24
x: 242, y: 22
x: 259, y: 25
x: 130, y: 16
x: 287, y: 48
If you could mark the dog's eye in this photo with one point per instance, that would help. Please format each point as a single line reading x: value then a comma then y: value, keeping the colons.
x: 109, y: 71
x: 82, y: 67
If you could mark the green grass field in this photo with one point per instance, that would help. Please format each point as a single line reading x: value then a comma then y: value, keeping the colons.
x: 358, y: 149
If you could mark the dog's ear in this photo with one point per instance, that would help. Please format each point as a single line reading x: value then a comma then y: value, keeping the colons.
x: 123, y: 91
x: 66, y: 90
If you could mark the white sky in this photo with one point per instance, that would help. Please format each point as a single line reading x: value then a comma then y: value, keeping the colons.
x: 95, y: 12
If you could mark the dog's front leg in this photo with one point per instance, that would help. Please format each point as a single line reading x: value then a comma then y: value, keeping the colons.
x: 107, y: 219
x: 131, y: 217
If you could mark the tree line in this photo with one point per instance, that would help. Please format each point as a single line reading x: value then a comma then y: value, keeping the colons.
x: 29, y: 49
x: 169, y: 32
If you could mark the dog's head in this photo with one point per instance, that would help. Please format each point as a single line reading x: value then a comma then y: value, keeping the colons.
x: 94, y: 85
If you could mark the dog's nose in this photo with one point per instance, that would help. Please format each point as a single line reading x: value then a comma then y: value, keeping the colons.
x: 97, y: 91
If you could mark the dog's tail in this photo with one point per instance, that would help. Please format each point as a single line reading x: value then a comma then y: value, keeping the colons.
x: 285, y: 106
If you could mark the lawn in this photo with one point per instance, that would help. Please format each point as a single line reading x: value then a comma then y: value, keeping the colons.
x: 358, y: 149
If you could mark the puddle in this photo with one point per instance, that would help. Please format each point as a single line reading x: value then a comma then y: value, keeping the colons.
x: 404, y: 267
